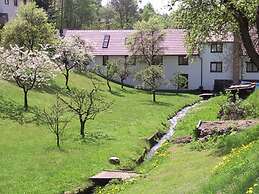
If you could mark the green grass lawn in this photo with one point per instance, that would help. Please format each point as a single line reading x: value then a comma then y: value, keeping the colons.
x: 185, y: 170
x: 215, y: 169
x: 29, y: 160
x: 176, y: 170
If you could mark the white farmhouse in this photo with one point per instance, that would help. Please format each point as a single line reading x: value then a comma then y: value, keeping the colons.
x: 215, y: 66
x: 8, y: 9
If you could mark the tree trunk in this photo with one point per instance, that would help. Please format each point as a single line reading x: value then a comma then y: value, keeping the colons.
x: 25, y: 100
x: 243, y: 24
x: 108, y: 84
x: 154, y: 95
x: 236, y: 58
x: 67, y: 80
x: 122, y: 83
x: 58, y: 140
x: 82, y: 127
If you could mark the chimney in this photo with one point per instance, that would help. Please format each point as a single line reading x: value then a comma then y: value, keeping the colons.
x: 236, y: 58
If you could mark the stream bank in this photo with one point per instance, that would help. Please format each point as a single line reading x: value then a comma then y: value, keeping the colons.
x: 149, y: 153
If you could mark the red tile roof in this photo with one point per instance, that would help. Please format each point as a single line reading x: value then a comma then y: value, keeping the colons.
x: 174, y: 41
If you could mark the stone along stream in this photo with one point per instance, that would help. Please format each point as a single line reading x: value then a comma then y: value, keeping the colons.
x: 173, y: 122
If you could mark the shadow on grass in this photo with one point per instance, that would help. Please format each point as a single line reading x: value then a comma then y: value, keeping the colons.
x: 173, y: 94
x: 53, y: 88
x: 128, y: 91
x: 97, y: 137
x: 158, y: 103
x: 53, y: 148
x: 9, y: 109
x: 116, y: 93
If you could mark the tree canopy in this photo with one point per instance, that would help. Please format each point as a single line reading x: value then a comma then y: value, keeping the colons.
x: 126, y: 12
x: 205, y: 18
x: 146, y: 41
x: 30, y: 29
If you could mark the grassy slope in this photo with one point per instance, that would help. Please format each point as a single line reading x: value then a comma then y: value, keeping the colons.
x: 182, y: 172
x: 185, y: 170
x: 29, y: 161
x: 193, y: 171
x: 238, y: 170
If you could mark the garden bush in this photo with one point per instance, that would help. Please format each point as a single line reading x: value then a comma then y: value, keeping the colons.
x: 235, y: 108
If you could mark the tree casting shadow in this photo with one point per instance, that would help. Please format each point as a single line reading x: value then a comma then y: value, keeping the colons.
x: 9, y: 109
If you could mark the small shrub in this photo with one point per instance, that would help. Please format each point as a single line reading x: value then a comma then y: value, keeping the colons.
x: 235, y: 108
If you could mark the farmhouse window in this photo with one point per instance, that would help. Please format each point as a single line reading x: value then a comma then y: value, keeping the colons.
x: 105, y: 60
x: 216, y: 67
x: 183, y: 60
x: 159, y: 60
x: 6, y: 2
x: 15, y: 2
x: 3, y: 18
x: 216, y: 48
x: 131, y: 60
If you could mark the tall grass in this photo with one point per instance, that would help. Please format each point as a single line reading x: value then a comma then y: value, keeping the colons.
x: 227, y: 143
x: 236, y: 173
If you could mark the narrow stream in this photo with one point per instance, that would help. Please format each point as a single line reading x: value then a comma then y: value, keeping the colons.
x: 173, y: 122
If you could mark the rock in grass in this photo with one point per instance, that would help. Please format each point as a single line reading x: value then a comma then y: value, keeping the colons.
x: 183, y: 140
x: 114, y: 160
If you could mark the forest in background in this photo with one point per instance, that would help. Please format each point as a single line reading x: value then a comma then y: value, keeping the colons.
x: 91, y: 14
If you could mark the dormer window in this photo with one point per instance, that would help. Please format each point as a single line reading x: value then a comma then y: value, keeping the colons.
x: 106, y: 41
x: 216, y: 47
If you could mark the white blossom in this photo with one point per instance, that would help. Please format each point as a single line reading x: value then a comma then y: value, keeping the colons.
x: 73, y: 52
x: 28, y: 69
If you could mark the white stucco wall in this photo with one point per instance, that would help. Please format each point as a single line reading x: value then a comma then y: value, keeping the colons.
x: 133, y: 68
x: 193, y: 70
x: 226, y: 57
x: 9, y: 9
x: 171, y: 67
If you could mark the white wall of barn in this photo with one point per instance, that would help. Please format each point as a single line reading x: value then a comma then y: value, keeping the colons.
x: 133, y: 68
x: 193, y: 69
x: 226, y: 57
x: 171, y: 68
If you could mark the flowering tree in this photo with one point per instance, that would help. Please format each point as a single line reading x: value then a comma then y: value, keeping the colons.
x: 71, y: 53
x: 29, y: 69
